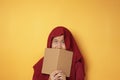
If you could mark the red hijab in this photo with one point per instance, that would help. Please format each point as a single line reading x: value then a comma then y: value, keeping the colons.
x: 70, y: 45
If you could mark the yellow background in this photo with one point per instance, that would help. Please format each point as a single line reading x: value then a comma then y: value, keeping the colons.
x: 25, y: 26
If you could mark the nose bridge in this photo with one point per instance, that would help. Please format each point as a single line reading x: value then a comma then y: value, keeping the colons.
x: 59, y: 45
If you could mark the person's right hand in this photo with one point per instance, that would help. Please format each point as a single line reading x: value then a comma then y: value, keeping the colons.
x: 57, y: 75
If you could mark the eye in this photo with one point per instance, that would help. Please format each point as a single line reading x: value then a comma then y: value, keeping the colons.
x: 63, y: 41
x: 55, y: 41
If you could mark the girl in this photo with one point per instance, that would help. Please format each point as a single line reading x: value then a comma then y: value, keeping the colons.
x: 60, y: 37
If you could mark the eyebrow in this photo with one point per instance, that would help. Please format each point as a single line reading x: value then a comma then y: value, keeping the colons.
x: 55, y: 39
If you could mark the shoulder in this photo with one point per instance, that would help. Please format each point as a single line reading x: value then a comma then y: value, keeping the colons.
x: 80, y: 72
x: 38, y: 64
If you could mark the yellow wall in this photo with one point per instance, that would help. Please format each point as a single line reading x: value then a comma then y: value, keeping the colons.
x: 25, y: 25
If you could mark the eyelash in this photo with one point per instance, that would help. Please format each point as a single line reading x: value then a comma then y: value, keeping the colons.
x: 56, y: 41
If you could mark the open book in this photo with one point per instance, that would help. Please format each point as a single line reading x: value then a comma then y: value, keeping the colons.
x: 57, y: 59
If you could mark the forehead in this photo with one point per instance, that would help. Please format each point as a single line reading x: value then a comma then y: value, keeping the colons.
x: 59, y: 37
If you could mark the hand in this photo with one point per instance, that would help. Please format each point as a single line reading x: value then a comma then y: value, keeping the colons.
x: 57, y: 75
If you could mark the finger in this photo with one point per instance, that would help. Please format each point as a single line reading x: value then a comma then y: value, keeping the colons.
x: 56, y: 72
x: 53, y: 74
x: 60, y: 76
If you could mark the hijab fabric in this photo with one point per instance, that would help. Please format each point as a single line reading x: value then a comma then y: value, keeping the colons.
x: 70, y: 45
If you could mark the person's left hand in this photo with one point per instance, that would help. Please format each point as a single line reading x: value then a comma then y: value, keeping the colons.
x: 57, y: 75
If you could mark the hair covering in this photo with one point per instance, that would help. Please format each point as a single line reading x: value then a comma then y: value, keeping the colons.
x: 77, y: 68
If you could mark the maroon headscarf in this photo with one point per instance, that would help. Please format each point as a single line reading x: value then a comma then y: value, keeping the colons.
x: 77, y: 61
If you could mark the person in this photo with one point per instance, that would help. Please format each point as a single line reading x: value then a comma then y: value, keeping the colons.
x: 60, y: 37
